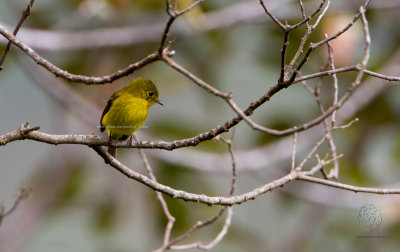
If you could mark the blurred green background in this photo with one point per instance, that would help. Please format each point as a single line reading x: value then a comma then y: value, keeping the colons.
x: 78, y: 203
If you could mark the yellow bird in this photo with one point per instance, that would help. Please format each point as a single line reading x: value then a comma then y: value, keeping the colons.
x: 127, y: 110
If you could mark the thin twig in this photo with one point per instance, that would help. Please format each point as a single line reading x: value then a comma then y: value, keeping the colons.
x: 313, y: 46
x: 311, y: 153
x: 215, y: 241
x: 204, y: 223
x: 173, y: 13
x: 294, y: 151
x: 303, y: 12
x: 23, y: 194
x: 198, y: 225
x: 282, y: 26
x: 334, y: 172
x: 310, y: 29
x: 331, y: 61
x: 282, y: 77
x: 194, y: 78
x: 342, y: 186
x: 24, y: 16
x: 346, y: 125
x: 320, y: 165
x: 346, y: 69
x: 315, y: 12
x: 326, y: 123
x: 344, y: 29
x: 233, y: 162
x: 160, y: 197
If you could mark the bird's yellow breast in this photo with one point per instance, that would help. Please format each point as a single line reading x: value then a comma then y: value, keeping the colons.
x: 127, y: 113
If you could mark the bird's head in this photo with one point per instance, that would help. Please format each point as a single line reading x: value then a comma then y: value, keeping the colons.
x: 145, y: 89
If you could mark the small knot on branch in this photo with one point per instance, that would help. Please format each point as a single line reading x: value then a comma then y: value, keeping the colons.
x: 25, y: 129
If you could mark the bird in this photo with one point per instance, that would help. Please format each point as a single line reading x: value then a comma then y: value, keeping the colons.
x: 126, y: 110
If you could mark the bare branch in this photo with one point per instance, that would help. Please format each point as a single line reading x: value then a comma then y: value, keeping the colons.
x: 194, y: 78
x: 311, y: 153
x: 173, y: 13
x: 346, y: 69
x: 327, y: 117
x: 73, y: 77
x: 23, y: 194
x: 342, y: 186
x: 24, y: 16
x: 315, y: 12
x: 214, y: 242
x: 217, y: 200
x: 233, y: 162
x: 320, y: 165
x: 164, y: 206
x: 92, y: 140
x: 344, y: 29
x: 200, y: 198
x: 195, y: 227
x: 331, y: 61
x: 294, y: 151
x: 88, y: 39
x: 313, y: 46
x: 310, y: 29
x: 334, y: 173
x: 253, y: 106
x: 200, y: 224
x: 282, y: 26
x: 190, y: 7
x: 302, y: 10
x: 282, y: 77
x: 346, y: 125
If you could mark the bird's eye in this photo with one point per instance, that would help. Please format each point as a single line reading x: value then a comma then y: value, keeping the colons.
x: 151, y: 93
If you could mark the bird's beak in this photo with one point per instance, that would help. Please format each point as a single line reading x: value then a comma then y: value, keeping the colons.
x: 159, y: 102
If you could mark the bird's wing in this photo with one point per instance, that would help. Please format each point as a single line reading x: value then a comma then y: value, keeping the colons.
x: 106, y: 109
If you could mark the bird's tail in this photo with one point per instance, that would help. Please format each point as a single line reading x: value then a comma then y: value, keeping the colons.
x: 112, y: 151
